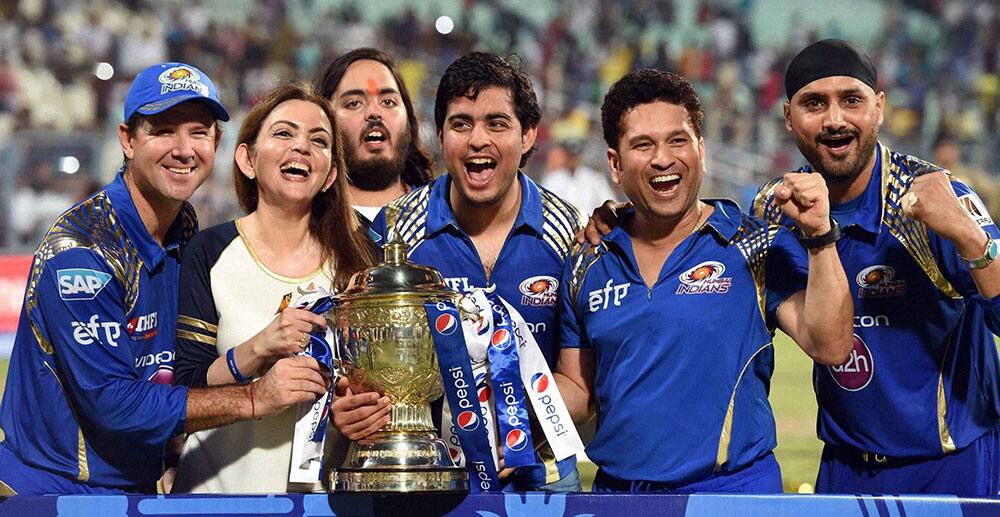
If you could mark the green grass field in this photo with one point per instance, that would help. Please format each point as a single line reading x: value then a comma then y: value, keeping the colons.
x: 794, y: 409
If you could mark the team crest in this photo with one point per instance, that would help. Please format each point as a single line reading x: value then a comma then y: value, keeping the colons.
x: 879, y: 281
x: 539, y: 291
x: 181, y: 78
x: 705, y: 278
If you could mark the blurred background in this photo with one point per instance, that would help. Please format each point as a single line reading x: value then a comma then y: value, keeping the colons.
x: 65, y: 66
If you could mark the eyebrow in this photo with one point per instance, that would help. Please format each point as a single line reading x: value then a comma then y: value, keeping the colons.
x: 647, y: 136
x: 296, y: 126
x: 838, y: 93
x: 489, y: 116
x: 361, y: 93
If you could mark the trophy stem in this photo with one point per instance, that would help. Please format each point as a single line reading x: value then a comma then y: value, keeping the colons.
x: 410, y: 417
x: 399, y: 462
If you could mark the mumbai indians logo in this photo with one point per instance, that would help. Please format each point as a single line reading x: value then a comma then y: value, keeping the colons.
x: 468, y: 420
x: 539, y: 382
x: 445, y: 324
x: 705, y: 278
x: 879, y: 281
x: 516, y: 440
x: 539, y: 291
x: 501, y: 339
x: 181, y: 78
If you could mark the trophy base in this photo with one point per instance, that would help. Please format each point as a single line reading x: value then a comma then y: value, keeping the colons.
x: 451, y: 479
x: 399, y: 461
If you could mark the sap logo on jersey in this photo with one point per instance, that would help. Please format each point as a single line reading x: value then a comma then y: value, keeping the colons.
x: 87, y: 333
x: 81, y: 284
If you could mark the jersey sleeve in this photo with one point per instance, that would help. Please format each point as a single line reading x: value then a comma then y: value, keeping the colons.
x: 952, y: 265
x: 83, y: 315
x: 197, y: 317
x: 571, y: 333
x: 786, y: 271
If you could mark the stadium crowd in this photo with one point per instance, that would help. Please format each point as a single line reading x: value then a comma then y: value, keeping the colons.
x: 938, y: 60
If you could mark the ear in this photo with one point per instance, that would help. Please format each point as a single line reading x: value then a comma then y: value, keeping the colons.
x: 245, y: 161
x: 788, y: 117
x: 528, y: 139
x: 330, y: 178
x: 880, y: 107
x: 614, y: 163
x: 701, y: 154
x: 126, y: 141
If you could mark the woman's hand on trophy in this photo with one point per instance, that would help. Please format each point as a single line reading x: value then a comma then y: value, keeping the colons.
x: 287, y: 334
x: 291, y: 380
x: 357, y: 416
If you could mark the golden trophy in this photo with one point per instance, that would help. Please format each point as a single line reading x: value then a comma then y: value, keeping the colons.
x: 384, y: 345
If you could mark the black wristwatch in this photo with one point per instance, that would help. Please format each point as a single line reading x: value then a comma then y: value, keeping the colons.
x: 819, y: 241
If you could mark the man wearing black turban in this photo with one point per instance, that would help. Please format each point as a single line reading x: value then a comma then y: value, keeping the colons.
x: 916, y: 407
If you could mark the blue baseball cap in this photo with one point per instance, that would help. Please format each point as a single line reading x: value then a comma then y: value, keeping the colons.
x: 163, y: 86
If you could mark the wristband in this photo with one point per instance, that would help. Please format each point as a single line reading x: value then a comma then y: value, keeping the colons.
x: 233, y: 369
x: 820, y: 241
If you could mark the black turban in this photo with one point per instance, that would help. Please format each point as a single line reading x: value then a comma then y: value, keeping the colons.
x: 828, y: 58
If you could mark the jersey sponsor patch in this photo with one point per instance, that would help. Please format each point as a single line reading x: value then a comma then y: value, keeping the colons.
x: 977, y: 211
x: 142, y: 327
x: 599, y: 299
x: 81, y: 284
x: 539, y: 291
x: 95, y: 330
x: 705, y: 278
x: 858, y: 370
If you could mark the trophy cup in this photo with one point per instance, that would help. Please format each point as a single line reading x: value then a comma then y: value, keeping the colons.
x: 384, y: 345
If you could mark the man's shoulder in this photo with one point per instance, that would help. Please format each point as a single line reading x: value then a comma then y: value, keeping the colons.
x: 406, y: 215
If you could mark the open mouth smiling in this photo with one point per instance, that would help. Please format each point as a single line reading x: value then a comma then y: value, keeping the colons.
x: 665, y: 183
x: 296, y: 169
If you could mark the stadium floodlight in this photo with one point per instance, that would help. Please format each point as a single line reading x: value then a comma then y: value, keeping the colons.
x: 104, y: 71
x: 69, y: 164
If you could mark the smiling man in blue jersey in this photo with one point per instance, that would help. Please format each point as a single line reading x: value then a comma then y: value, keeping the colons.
x: 88, y: 406
x: 666, y: 325
x: 485, y: 223
x: 915, y: 408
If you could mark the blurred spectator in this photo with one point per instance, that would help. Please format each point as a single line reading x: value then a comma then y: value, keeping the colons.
x: 948, y: 154
x: 575, y: 182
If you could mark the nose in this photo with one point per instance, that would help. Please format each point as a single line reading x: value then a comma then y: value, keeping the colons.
x: 478, y: 137
x: 373, y: 110
x: 834, y: 119
x: 663, y: 158
x: 183, y: 147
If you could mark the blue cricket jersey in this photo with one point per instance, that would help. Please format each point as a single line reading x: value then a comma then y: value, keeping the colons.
x: 526, y: 273
x: 923, y: 378
x: 88, y: 392
x: 683, y: 368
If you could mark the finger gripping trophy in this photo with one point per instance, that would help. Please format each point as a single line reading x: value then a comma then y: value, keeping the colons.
x: 384, y: 345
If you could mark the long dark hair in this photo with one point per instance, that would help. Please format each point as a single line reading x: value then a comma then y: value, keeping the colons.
x: 417, y: 170
x: 332, y: 221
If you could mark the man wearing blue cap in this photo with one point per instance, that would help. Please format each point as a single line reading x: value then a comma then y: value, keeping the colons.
x: 916, y: 407
x: 88, y: 406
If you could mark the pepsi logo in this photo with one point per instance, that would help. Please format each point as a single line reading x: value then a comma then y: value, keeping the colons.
x: 704, y: 272
x: 501, y: 339
x: 445, y: 324
x: 455, y: 454
x: 874, y: 276
x: 484, y: 393
x: 468, y: 420
x: 539, y: 382
x: 516, y: 440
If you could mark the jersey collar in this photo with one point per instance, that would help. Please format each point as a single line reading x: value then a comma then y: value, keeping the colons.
x: 724, y: 221
x: 149, y: 250
x: 440, y: 215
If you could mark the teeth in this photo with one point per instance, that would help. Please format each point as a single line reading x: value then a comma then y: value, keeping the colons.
x: 666, y: 178
x: 481, y: 161
x: 375, y: 134
x: 180, y: 170
x: 295, y: 165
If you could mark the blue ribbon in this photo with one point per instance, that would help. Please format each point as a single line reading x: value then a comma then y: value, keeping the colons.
x: 319, y: 349
x: 463, y: 399
x: 505, y: 374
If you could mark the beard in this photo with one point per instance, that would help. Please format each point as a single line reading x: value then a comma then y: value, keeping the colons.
x: 839, y: 170
x: 378, y: 172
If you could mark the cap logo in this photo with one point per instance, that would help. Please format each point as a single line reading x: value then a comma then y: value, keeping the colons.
x: 181, y: 78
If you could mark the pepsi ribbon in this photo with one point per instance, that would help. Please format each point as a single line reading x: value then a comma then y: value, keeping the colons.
x: 512, y: 408
x: 456, y: 372
x: 550, y: 410
x: 310, y: 429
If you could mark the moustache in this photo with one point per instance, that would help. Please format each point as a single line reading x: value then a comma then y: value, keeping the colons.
x: 375, y: 124
x: 828, y: 135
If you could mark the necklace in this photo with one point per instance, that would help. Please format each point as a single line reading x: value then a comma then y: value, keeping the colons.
x: 698, y: 223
